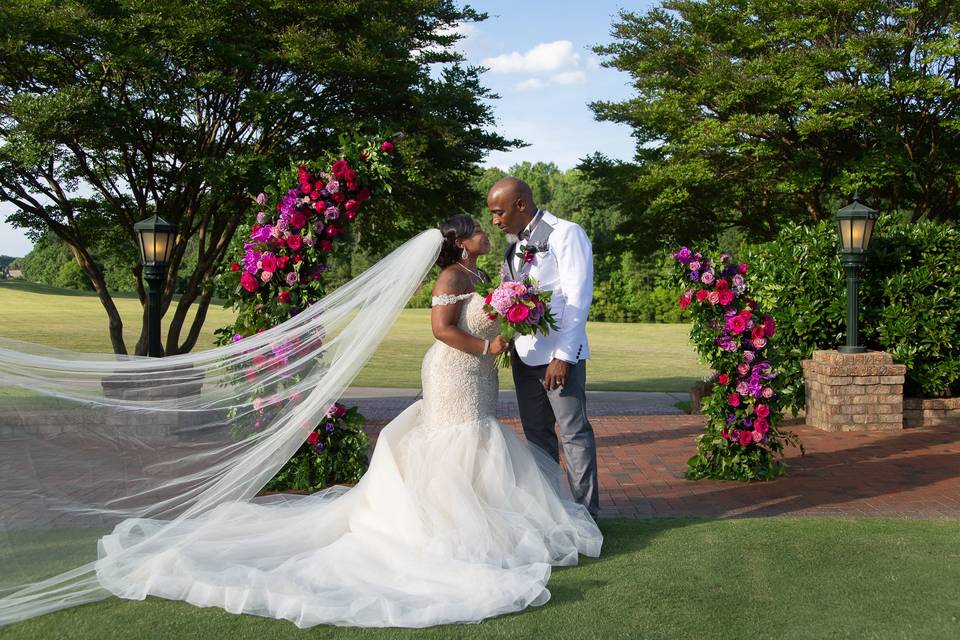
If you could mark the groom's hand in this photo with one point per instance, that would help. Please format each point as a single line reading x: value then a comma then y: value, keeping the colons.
x: 556, y: 375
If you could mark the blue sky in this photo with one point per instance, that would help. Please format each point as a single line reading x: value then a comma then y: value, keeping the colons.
x: 541, y: 64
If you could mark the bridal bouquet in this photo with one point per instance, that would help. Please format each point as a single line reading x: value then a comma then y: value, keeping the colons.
x: 523, y: 309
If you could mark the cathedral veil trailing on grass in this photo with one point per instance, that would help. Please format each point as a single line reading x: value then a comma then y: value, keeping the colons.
x: 88, y: 441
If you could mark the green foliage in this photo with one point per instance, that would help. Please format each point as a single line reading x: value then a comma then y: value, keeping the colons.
x: 909, y: 299
x: 180, y: 107
x: 752, y: 113
x: 343, y: 459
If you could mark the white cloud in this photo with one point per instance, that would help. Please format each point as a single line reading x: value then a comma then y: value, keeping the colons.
x: 543, y: 58
x: 569, y: 77
x: 531, y: 84
x: 547, y: 63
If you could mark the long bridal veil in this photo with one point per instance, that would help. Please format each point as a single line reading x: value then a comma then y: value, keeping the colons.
x: 88, y: 441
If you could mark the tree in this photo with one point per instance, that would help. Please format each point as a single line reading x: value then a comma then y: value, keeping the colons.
x: 750, y: 113
x: 112, y: 111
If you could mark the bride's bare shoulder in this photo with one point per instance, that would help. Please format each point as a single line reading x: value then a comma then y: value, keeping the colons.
x: 452, y: 281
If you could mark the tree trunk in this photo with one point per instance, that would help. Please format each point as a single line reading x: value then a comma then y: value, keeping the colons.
x: 115, y: 322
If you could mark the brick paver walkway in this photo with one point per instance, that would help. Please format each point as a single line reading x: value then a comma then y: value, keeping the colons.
x: 912, y: 474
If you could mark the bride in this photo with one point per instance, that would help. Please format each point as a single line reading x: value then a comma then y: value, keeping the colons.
x: 456, y: 519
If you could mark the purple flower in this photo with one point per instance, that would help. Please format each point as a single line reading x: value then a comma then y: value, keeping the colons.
x: 694, y: 276
x: 731, y: 418
x: 236, y: 338
x: 743, y: 388
x: 332, y: 213
x: 748, y: 422
x: 748, y: 356
x: 292, y: 278
x: 262, y: 234
x: 319, y: 448
x: 330, y: 427
x: 683, y: 256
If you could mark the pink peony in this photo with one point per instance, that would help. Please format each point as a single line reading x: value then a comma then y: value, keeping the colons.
x: 725, y: 296
x: 745, y: 438
x: 684, y: 302
x: 269, y: 263
x: 518, y: 313
x: 762, y: 410
x: 702, y: 295
x: 761, y: 425
x: 723, y: 379
x: 733, y: 399
x: 295, y: 242
x: 387, y: 147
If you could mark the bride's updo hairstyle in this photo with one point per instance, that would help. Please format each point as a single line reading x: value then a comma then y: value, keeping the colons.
x: 459, y: 227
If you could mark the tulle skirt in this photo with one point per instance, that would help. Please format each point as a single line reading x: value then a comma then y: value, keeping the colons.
x: 452, y: 523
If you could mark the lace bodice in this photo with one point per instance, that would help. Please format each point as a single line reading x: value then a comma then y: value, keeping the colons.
x: 460, y: 387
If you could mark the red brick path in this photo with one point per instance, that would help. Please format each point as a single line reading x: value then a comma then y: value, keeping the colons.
x: 913, y: 473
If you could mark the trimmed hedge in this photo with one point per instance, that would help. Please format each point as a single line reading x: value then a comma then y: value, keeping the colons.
x: 909, y: 299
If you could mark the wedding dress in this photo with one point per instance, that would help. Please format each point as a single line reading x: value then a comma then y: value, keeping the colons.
x: 456, y: 520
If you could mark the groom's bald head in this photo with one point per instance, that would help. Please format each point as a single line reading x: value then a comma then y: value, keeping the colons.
x: 510, y: 201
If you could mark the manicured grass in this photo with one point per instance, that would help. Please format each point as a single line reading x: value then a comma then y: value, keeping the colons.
x: 626, y: 357
x: 660, y: 578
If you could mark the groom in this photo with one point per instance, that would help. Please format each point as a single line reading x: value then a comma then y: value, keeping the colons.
x: 550, y: 372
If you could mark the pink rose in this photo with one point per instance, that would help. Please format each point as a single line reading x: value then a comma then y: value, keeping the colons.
x: 518, y: 313
x: 261, y: 198
x: 297, y: 220
x: 759, y: 343
x: 706, y: 277
x: 761, y: 425
x: 757, y: 436
x: 743, y: 368
x: 326, y: 246
x: 714, y: 297
x: 387, y: 147
x: 733, y: 399
x: 351, y: 205
x: 769, y: 325
x: 294, y: 242
x: 767, y: 392
x: 758, y: 332
x: 313, y: 438
x: 725, y: 296
x: 249, y: 283
x: 737, y: 324
x: 266, y: 276
x: 702, y: 295
x: 742, y: 269
x: 684, y: 302
x: 762, y: 410
x: 695, y: 266
x: 745, y: 438
x: 269, y: 263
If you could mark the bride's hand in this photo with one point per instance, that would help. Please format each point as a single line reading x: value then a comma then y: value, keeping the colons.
x: 498, y: 345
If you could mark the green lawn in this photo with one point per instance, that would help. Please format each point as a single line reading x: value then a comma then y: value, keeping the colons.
x: 658, y: 578
x: 626, y: 357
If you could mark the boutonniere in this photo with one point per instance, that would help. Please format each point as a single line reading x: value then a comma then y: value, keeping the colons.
x: 528, y: 252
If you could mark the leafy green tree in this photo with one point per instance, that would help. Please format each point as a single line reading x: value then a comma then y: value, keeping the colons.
x: 750, y: 113
x: 113, y: 111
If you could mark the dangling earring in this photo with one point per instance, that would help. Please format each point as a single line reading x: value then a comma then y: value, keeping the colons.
x: 464, y: 254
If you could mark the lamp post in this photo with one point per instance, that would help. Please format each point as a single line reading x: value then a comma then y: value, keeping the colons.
x: 156, y: 246
x: 855, y: 224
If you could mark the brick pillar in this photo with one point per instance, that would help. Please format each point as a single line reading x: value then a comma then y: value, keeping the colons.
x: 854, y: 391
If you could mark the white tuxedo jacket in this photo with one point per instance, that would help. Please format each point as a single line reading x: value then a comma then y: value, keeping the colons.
x: 563, y: 264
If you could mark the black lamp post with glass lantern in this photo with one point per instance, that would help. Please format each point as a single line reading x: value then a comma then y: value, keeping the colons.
x: 855, y: 224
x: 157, y: 239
